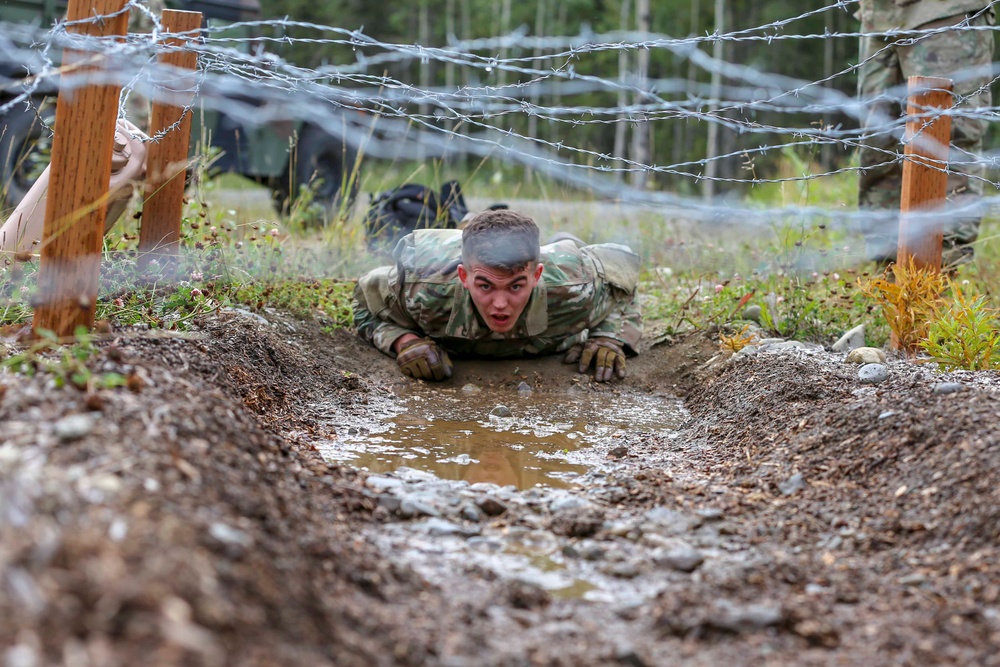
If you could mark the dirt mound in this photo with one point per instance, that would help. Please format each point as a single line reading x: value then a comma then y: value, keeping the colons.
x: 190, y: 521
x: 171, y: 528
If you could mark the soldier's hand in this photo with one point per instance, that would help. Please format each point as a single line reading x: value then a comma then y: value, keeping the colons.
x: 422, y: 359
x: 606, y: 354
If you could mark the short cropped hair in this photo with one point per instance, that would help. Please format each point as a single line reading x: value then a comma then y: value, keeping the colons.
x: 501, y: 239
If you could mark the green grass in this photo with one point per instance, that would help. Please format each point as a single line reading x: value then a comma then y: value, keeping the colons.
x: 236, y: 252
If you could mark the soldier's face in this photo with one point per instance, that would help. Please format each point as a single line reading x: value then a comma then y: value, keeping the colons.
x: 500, y: 296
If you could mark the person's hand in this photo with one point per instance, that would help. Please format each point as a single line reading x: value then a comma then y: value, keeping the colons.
x: 422, y: 359
x: 606, y: 354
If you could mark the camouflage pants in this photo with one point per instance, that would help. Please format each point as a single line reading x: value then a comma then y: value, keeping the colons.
x: 964, y: 56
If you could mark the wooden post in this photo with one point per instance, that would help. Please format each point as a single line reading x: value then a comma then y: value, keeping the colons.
x: 925, y: 182
x: 166, y: 162
x: 76, y: 205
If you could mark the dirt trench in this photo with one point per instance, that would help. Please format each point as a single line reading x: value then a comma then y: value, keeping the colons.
x: 795, y: 517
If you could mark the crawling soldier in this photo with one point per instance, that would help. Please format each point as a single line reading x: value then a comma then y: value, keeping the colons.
x: 490, y: 291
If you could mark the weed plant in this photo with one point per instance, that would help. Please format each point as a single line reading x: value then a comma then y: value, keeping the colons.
x: 963, y: 334
x: 909, y: 297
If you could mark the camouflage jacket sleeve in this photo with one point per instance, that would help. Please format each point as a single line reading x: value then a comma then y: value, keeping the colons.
x: 886, y: 15
x: 379, y: 314
x: 618, y: 277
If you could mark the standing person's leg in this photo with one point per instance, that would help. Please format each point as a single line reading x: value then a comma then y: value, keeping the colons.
x: 881, y: 175
x: 966, y: 57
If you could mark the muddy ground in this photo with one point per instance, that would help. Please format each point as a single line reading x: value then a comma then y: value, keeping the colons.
x: 796, y: 517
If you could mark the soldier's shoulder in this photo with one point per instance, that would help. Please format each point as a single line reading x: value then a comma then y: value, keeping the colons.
x: 430, y: 255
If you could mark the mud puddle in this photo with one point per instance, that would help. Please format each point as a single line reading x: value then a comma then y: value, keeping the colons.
x: 524, y: 439
x: 522, y: 485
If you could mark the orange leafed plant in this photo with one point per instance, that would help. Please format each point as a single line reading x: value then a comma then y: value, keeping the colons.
x: 909, y: 298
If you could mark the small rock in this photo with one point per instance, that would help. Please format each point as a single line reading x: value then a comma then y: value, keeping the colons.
x: 738, y: 619
x: 770, y: 341
x: 567, y: 503
x: 866, y: 355
x: 592, y: 551
x: 500, y: 411
x: 472, y: 513
x: 787, y: 345
x: 74, y: 427
x: 229, y: 535
x: 914, y: 579
x: 626, y: 655
x: 471, y: 389
x: 524, y: 389
x: 619, y: 452
x: 873, y: 373
x: 623, y: 570
x: 437, y: 527
x: 408, y: 474
x: 752, y: 313
x: 886, y: 414
x: 948, y: 388
x: 675, y: 521
x: 710, y: 513
x: 569, y: 551
x: 526, y: 595
x: 484, y: 544
x: 21, y: 655
x: 851, y: 340
x: 380, y: 483
x: 389, y: 502
x: 491, y: 506
x: 748, y: 351
x: 682, y: 559
x: 792, y: 485
x: 410, y: 507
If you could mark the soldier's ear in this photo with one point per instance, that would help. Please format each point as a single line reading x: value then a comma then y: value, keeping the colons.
x: 538, y: 271
x: 463, y: 276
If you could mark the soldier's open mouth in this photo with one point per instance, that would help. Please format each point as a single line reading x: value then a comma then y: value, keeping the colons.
x: 500, y: 319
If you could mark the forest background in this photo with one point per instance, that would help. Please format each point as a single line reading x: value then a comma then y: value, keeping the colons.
x: 676, y: 137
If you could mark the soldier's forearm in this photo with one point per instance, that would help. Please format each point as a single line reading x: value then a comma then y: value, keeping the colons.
x: 624, y: 325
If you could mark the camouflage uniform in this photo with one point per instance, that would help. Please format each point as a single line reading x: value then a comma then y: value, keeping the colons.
x: 589, y: 290
x: 965, y: 56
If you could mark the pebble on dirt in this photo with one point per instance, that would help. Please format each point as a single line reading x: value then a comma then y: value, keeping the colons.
x: 792, y: 485
x: 872, y: 373
x: 74, y: 427
x: 491, y: 506
x: 682, y: 559
x: 866, y: 355
x: 500, y: 411
x: 949, y: 388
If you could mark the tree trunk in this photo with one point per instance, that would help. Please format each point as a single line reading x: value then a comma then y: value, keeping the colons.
x: 715, y: 91
x: 504, y: 29
x: 640, y: 133
x: 424, y: 35
x: 621, y: 127
x: 533, y: 119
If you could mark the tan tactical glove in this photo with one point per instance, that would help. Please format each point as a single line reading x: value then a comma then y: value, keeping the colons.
x: 422, y: 359
x: 607, y: 355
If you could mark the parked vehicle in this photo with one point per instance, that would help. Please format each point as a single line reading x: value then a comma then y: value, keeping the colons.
x: 282, y: 156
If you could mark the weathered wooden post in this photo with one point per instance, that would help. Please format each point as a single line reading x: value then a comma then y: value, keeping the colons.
x: 925, y: 180
x: 76, y: 206
x: 167, y: 159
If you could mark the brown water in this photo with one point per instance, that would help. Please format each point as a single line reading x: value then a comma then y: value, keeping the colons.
x: 547, y: 440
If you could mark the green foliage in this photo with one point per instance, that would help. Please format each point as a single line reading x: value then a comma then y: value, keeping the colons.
x: 963, y: 334
x: 66, y: 363
x: 909, y: 298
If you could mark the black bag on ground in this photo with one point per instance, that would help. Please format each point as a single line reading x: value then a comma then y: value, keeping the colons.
x: 397, y: 212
